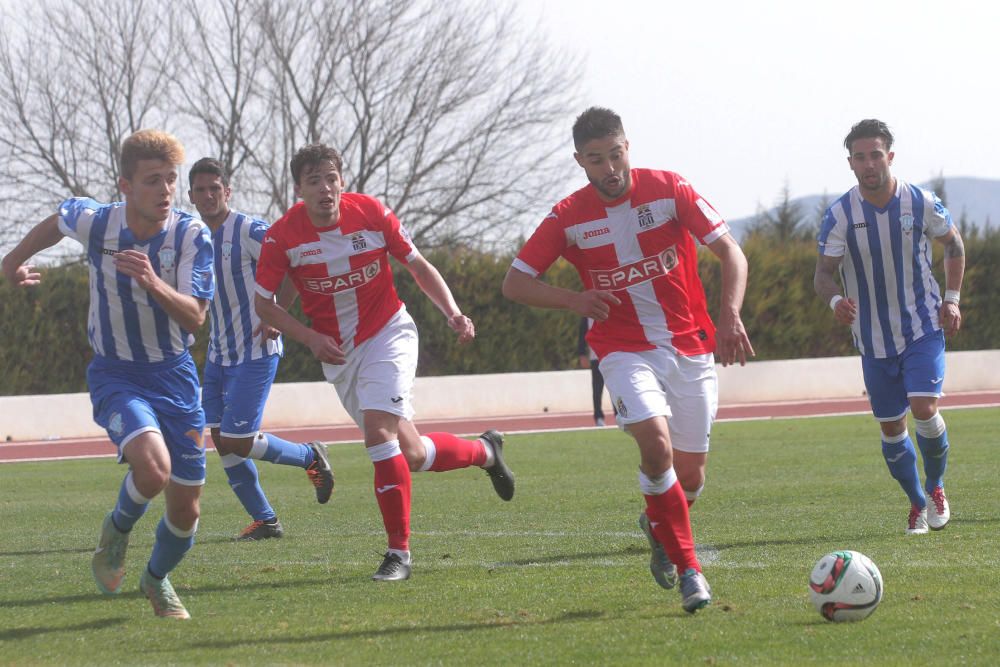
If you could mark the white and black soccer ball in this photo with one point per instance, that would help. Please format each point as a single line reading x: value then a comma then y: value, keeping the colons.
x: 845, y: 586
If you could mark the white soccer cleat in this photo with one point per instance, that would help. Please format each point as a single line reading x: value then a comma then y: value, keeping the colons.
x: 916, y: 524
x: 108, y: 562
x: 938, y: 512
x: 162, y: 596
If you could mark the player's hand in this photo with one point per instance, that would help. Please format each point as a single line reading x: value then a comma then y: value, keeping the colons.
x: 22, y: 276
x: 731, y: 341
x: 463, y: 326
x: 137, y: 266
x: 266, y: 331
x: 325, y: 349
x: 951, y: 318
x: 845, y: 311
x: 584, y: 361
x: 593, y: 303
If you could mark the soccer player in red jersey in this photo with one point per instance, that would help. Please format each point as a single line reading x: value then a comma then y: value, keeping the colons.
x: 629, y: 233
x: 335, y: 246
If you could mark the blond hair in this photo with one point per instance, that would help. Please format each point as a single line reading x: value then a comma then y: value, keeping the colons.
x: 149, y: 145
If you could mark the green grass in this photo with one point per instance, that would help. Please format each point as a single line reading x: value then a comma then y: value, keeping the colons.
x: 558, y: 576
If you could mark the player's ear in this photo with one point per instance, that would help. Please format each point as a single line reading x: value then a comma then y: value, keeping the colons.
x: 578, y: 158
x: 124, y: 185
x: 891, y: 156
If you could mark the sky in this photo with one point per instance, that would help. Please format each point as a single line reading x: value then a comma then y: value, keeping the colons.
x: 744, y: 98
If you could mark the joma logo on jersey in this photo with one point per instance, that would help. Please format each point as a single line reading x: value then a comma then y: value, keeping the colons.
x: 345, y: 281
x: 309, y: 253
x: 636, y: 273
x: 591, y: 233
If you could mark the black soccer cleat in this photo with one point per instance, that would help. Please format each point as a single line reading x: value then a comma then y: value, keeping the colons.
x: 320, y: 473
x: 499, y: 473
x: 392, y: 569
x: 261, y: 530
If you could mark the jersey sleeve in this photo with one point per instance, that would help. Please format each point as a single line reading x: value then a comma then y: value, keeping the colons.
x: 937, y: 219
x: 543, y: 248
x: 273, y: 263
x: 398, y: 241
x: 832, y: 239
x: 195, y: 275
x: 253, y: 238
x: 75, y: 217
x: 696, y: 214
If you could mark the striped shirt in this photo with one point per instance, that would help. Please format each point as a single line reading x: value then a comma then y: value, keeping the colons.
x: 886, y: 267
x: 237, y: 248
x: 125, y: 322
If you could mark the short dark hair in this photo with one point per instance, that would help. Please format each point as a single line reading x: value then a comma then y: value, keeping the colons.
x: 311, y: 155
x: 210, y: 166
x: 869, y: 128
x: 596, y: 123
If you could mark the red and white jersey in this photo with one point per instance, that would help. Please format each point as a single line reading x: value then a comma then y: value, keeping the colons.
x: 342, y: 272
x: 639, y: 247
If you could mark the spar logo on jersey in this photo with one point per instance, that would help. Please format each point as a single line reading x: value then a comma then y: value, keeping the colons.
x: 635, y: 273
x: 345, y: 281
x: 645, y: 215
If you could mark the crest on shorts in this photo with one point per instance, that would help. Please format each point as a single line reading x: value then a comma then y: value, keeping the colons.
x: 906, y: 222
x: 622, y: 410
x: 116, y: 424
x: 227, y: 250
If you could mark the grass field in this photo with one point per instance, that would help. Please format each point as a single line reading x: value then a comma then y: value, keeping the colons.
x: 558, y: 576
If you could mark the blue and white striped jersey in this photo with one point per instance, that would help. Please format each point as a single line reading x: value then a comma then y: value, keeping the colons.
x: 886, y: 268
x: 125, y: 322
x: 237, y: 249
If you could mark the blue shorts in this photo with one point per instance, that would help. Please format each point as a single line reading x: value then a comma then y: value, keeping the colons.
x: 234, y: 396
x: 918, y: 371
x: 131, y: 398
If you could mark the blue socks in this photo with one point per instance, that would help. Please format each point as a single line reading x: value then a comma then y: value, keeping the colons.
x: 170, y: 546
x: 901, y: 458
x: 245, y: 483
x: 932, y: 438
x: 271, y: 448
x: 130, y: 507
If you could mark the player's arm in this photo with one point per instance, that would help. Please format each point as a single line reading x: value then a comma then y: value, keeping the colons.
x: 188, y: 311
x: 954, y: 273
x: 523, y: 288
x: 43, y: 235
x: 323, y: 347
x: 825, y: 284
x: 732, y: 342
x: 433, y: 285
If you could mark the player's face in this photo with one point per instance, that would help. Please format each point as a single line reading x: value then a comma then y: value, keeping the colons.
x: 150, y: 192
x: 320, y: 187
x: 606, y: 162
x: 870, y: 162
x: 210, y: 196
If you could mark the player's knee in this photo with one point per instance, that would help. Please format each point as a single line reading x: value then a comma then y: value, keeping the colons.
x: 151, y: 480
x: 692, y: 481
x: 239, y: 446
x: 923, y: 411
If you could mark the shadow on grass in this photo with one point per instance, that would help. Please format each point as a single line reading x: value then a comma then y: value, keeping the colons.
x: 376, y: 633
x: 48, y: 552
x: 582, y: 556
x: 26, y: 633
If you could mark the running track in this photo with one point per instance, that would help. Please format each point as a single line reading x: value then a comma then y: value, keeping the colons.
x: 74, y: 448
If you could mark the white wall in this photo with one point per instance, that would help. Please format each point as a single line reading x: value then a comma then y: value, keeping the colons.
x: 316, y: 403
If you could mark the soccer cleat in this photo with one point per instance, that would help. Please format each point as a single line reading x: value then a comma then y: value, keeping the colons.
x: 916, y: 523
x: 664, y: 572
x: 938, y: 512
x: 392, y: 569
x: 500, y: 474
x: 695, y: 592
x: 320, y: 473
x: 599, y: 421
x: 162, y: 596
x: 261, y: 530
x: 108, y: 563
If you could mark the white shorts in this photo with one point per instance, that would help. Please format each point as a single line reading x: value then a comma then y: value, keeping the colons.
x: 660, y: 383
x: 379, y: 373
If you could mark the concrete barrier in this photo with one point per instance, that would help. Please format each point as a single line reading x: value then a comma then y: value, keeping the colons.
x: 503, y: 394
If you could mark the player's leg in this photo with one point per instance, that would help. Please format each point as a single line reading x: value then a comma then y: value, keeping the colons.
x: 597, y: 392
x: 392, y: 491
x: 692, y: 389
x: 440, y: 452
x: 923, y: 375
x: 884, y: 384
x: 176, y: 530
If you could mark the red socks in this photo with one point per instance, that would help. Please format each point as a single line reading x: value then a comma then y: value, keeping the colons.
x: 392, y: 491
x: 668, y: 516
x: 449, y: 452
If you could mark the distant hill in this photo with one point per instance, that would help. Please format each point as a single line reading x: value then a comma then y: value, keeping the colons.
x: 977, y: 198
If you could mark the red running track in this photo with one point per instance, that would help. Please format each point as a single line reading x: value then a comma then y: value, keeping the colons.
x: 70, y: 448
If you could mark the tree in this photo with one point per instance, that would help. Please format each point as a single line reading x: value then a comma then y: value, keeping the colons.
x: 783, y: 223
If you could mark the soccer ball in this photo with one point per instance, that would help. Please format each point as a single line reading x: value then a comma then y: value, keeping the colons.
x: 845, y: 586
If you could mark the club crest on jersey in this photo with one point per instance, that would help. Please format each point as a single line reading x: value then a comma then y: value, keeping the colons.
x: 645, y: 215
x: 345, y: 281
x: 168, y: 259
x: 635, y: 273
x: 906, y: 222
x: 227, y: 250
x: 358, y: 242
